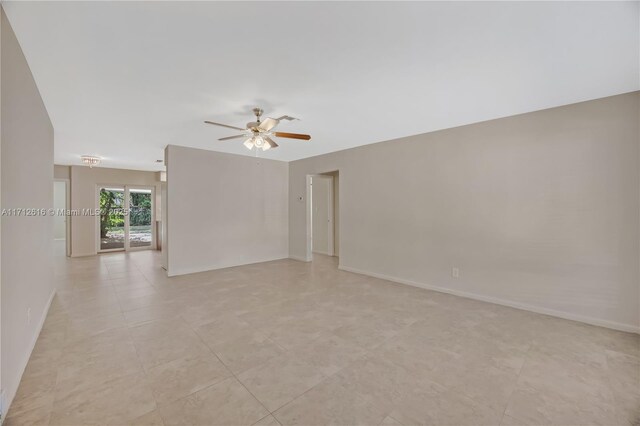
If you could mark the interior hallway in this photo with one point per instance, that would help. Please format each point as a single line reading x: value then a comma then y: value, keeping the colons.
x: 306, y: 343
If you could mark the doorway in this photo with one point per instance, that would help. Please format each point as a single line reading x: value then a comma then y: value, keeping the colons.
x: 61, y: 228
x: 322, y: 214
x: 126, y: 217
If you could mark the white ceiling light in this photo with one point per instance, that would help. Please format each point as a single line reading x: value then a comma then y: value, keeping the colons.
x: 90, y: 160
x: 258, y: 142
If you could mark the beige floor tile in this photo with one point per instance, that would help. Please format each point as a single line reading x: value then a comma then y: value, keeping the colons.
x: 331, y: 402
x: 160, y: 329
x: 155, y: 352
x: 113, y: 403
x: 34, y: 393
x: 152, y: 418
x: 139, y: 302
x: 328, y: 353
x: 267, y: 421
x: 104, y: 342
x: 203, y: 312
x: 364, y: 335
x: 298, y: 332
x: 248, y: 351
x: 280, y: 380
x: 224, y: 329
x: 533, y: 407
x: 33, y: 417
x: 390, y: 421
x: 485, y: 384
x: 623, y: 372
x: 42, y: 363
x: 82, y: 328
x: 566, y: 377
x: 184, y: 376
x: 318, y: 345
x: 510, y: 421
x: 415, y: 354
x: 81, y: 370
x: 226, y: 403
x: 436, y: 406
x: 383, y: 381
x: 152, y: 312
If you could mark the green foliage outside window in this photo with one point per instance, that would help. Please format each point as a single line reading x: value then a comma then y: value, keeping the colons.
x: 110, y: 200
x: 112, y: 217
x: 140, y: 213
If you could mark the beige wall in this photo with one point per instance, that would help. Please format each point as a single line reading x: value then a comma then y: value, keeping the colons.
x: 84, y: 181
x: 61, y: 172
x: 538, y: 211
x: 26, y: 182
x: 224, y: 210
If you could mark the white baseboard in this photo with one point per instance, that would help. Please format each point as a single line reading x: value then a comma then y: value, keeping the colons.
x: 8, y: 394
x: 512, y: 304
x: 83, y: 254
x: 301, y: 259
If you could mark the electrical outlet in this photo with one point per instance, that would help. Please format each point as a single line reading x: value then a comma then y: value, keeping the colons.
x: 455, y: 272
x: 29, y: 316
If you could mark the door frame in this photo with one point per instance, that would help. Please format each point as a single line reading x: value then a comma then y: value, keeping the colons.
x: 67, y: 217
x: 309, y: 214
x: 126, y: 189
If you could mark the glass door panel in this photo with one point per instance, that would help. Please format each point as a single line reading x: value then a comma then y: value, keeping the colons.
x: 140, y: 217
x: 112, y: 218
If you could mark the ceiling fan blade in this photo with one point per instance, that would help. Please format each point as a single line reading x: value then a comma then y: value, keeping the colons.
x: 271, y: 142
x: 225, y: 125
x: 268, y: 124
x: 292, y: 135
x: 232, y: 137
x: 286, y: 117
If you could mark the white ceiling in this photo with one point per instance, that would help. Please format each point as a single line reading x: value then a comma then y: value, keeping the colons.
x: 123, y: 80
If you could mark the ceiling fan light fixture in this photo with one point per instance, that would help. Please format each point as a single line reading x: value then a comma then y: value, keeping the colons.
x: 258, y: 133
x: 249, y: 144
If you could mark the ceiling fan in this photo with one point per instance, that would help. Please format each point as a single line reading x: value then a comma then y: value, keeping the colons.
x: 258, y: 133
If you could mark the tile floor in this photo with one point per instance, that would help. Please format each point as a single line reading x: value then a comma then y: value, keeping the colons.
x: 287, y: 342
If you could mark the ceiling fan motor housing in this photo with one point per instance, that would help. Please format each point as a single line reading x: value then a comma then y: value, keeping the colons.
x: 258, y: 113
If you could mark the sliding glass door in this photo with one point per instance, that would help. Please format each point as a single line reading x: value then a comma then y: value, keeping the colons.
x: 126, y: 219
x: 140, y: 215
x: 112, y: 218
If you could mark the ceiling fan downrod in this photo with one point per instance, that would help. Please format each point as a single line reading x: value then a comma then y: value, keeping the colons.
x: 258, y: 112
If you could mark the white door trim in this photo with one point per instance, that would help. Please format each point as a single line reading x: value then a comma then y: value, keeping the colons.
x: 331, y: 213
x: 67, y: 217
x: 309, y: 248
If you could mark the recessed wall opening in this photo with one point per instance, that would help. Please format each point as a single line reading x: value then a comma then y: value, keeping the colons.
x: 61, y: 225
x: 323, y: 235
